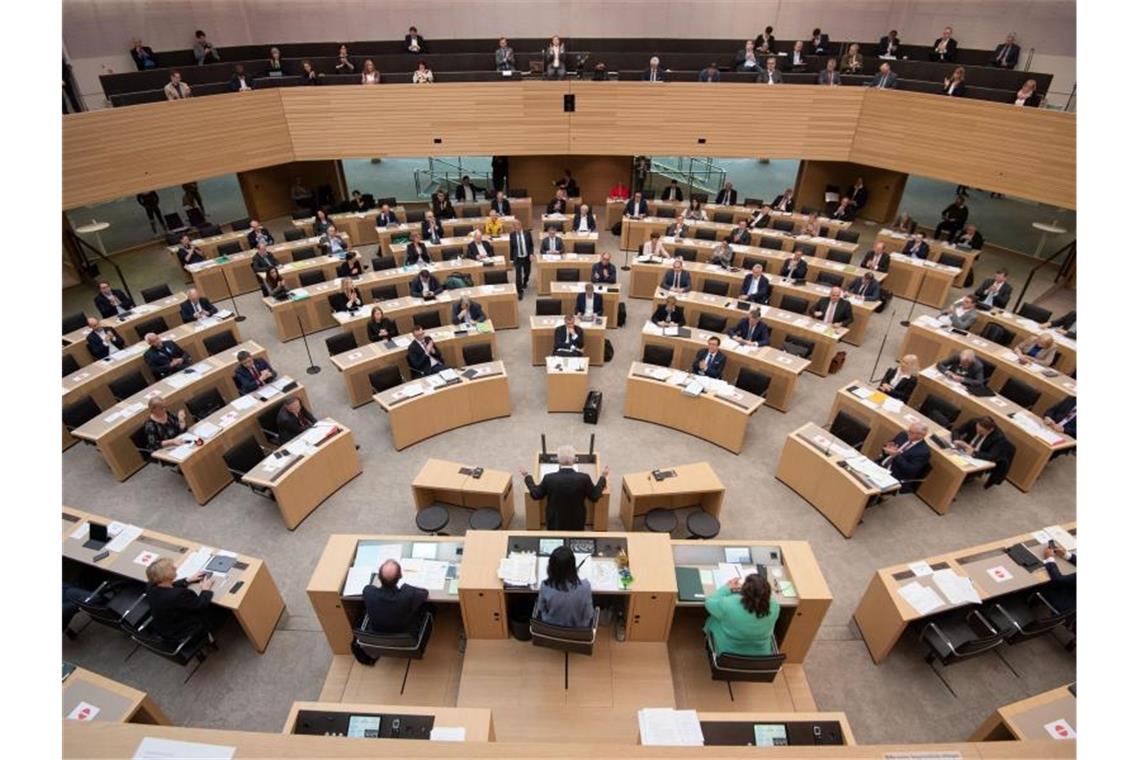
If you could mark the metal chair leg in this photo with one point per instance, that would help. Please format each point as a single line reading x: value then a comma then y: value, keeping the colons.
x: 132, y: 652
x: 200, y: 659
x: 405, y: 681
x: 1006, y: 662
x: 731, y: 697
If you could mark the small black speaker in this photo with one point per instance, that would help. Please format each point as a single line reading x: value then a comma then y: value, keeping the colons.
x: 568, y: 103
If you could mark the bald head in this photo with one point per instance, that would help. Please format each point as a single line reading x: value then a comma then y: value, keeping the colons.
x: 390, y: 573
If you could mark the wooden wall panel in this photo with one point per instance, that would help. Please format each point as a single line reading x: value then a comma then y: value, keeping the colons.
x: 1025, y: 152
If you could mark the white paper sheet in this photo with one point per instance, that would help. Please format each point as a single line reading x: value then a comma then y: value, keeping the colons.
x: 194, y: 562
x: 666, y: 727
x: 956, y: 588
x: 128, y: 534
x: 448, y: 734
x: 152, y: 748
x: 921, y: 568
x: 358, y: 578
x: 922, y: 598
x: 425, y: 550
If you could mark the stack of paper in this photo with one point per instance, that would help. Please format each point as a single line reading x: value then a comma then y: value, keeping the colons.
x: 922, y: 598
x: 693, y: 388
x: 1063, y: 538
x: 124, y: 538
x: 194, y: 563
x: 956, y: 588
x: 518, y: 569
x: 425, y: 573
x: 666, y: 727
x: 727, y: 571
x: 879, y: 476
x: 602, y: 573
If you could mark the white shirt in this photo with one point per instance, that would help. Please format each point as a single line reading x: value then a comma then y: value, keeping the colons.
x: 589, y: 307
x: 584, y: 224
x: 898, y: 378
x: 830, y: 313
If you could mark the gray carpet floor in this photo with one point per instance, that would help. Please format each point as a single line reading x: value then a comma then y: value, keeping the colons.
x: 900, y: 700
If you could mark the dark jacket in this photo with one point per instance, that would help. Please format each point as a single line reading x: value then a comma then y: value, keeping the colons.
x: 474, y: 312
x: 759, y: 333
x: 910, y: 463
x: 566, y: 492
x: 975, y: 242
x: 416, y: 254
x: 1060, y: 410
x: 188, y: 256
x: 417, y: 286
x: 394, y: 610
x: 575, y: 344
x: 264, y: 263
x: 905, y: 387
x: 884, y: 261
x: 726, y: 197
x: 473, y: 252
x: 187, y: 308
x: 106, y: 308
x: 177, y: 611
x: 141, y: 58
x: 991, y: 447
x: 420, y: 360
x: 375, y: 327
x: 159, y: 358
x: 289, y: 426
x: 975, y: 374
x: 99, y: 349
x: 715, y: 366
x: 633, y: 208
x: 427, y: 228
x: 675, y: 279
x: 603, y: 273
x: 843, y: 314
x: 1062, y: 589
x: 591, y: 223
x: 1001, y: 298
x: 252, y: 236
x: 798, y: 273
x: 870, y: 290
x: 763, y: 290
x: 527, y: 245
x: 544, y: 245
x: 248, y: 381
x: 660, y: 315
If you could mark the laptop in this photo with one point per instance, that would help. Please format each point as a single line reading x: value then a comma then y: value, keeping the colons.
x: 97, y: 536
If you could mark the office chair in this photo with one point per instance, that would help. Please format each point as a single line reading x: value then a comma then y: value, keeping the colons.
x: 830, y: 278
x: 772, y: 243
x: 414, y: 216
x: 114, y: 602
x: 173, y: 220
x: 495, y: 277
x: 215, y: 344
x: 686, y: 253
x: 849, y: 430
x: 750, y: 261
x: 584, y: 246
x: 79, y: 413
x: 242, y: 458
x: 479, y: 353
x: 722, y: 217
x: 157, y: 326
x: 941, y: 412
x: 847, y: 236
x: 229, y: 249
x: 517, y: 192
x: 662, y: 356
x: 267, y: 421
x: 566, y: 275
x: 191, y: 647
x: 172, y: 238
x: 337, y: 302
x: 127, y: 386
x: 451, y: 253
x: 427, y: 320
x: 753, y: 202
x: 73, y: 322
x: 1020, y: 619
x: 340, y: 343
x: 471, y: 213
x: 808, y: 210
x: 390, y: 200
x: 952, y: 260
x: 315, y: 277
x: 712, y: 323
x: 384, y: 293
x: 556, y: 226
x: 728, y: 667
x: 809, y: 250
x: 753, y: 381
x: 1020, y: 393
x: 304, y: 254
x: 547, y: 306
x: 294, y: 233
x: 801, y: 347
x: 783, y: 225
x: 566, y: 639
x: 843, y: 257
x: 1034, y: 312
x: 240, y: 224
x: 705, y: 233
x: 205, y: 403
x: 385, y: 378
x: 958, y: 635
x: 70, y: 364
x: 138, y: 440
x: 195, y: 217
x: 462, y: 230
x: 715, y: 287
x: 207, y: 230
x: 380, y: 263
x: 155, y: 293
x: 408, y: 646
x: 794, y: 304
x: 997, y: 334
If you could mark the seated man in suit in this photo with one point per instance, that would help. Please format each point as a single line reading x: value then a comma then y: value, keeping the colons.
x: 794, y: 268
x: 964, y: 367
x: 756, y: 287
x: 885, y: 79
x: 177, y: 612
x: 770, y: 75
x: 423, y: 356
x: 103, y: 341
x: 588, y: 304
x: 604, y: 272
x: 669, y: 313
x: 969, y: 237
x: 552, y: 243
x: 994, y: 291
x: 1006, y: 54
x: 962, y: 314
x: 394, y: 607
x: 906, y: 455
x: 431, y: 228
x: 386, y: 217
x: 677, y: 280
x: 877, y: 258
x: 672, y: 192
x: 565, y: 491
x: 953, y: 218
x: 677, y: 228
x: 416, y: 253
x: 1067, y: 322
x: 258, y: 234
x: 293, y: 419
x: 426, y: 286
x: 889, y: 45
x: 636, y: 206
x: 784, y: 201
x: 916, y: 246
x: 466, y: 312
x: 332, y: 242
x: 751, y: 330
x: 834, y: 310
x: 722, y: 255
x: 252, y: 373
x: 584, y: 220
x: 263, y: 259
x: 845, y: 211
x: 1062, y: 417
x: 761, y: 218
x: 709, y: 361
x: 726, y: 196
x: 979, y: 438
x: 501, y: 204
x: 945, y: 48
x: 568, y: 338
x: 654, y: 72
x: 741, y: 235
x: 559, y: 203
x: 112, y: 301
x: 164, y: 357
x: 1061, y: 593
x: 477, y: 249
x: 196, y: 307
x: 866, y: 287
x: 1038, y: 350
x: 188, y: 253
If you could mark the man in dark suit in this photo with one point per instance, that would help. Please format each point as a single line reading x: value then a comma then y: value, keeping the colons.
x: 425, y: 286
x: 164, y: 357
x: 566, y: 491
x: 889, y: 45
x: 501, y: 204
x: 552, y: 243
x: 795, y: 268
x: 258, y: 234
x: 677, y: 228
x: 858, y: 194
x: 559, y: 203
x: 677, y: 280
x: 386, y: 216
x: 834, y: 310
x: 636, y: 206
x: 907, y: 454
x: 969, y: 237
x: 1061, y: 593
x: 783, y: 201
x: 465, y: 191
x: 979, y: 438
x: 964, y: 367
x: 845, y: 211
x: 568, y: 338
x: 100, y: 340
x: 945, y: 48
x: 709, y: 361
x: 394, y: 607
x: 293, y: 419
x: 669, y: 313
x: 584, y: 220
x: 604, y: 271
x: 477, y: 249
x: 751, y: 330
x: 726, y: 196
x: 188, y: 253
x: 866, y: 287
x: 359, y: 203
x: 111, y: 301
x: 522, y: 249
x: 1067, y: 322
x: 761, y: 218
x: 885, y: 79
x: 196, y: 307
x: 1006, y: 54
x: 741, y: 235
x: 416, y: 253
x: 953, y: 218
x: 756, y: 287
x: 673, y: 192
x: 263, y: 259
x: 587, y: 302
x: 654, y: 72
x: 466, y: 311
x: 414, y: 43
x: 916, y: 247
x: 431, y: 228
x: 252, y: 373
x: 332, y: 243
x: 994, y: 291
x: 877, y: 258
x: 423, y: 356
x: 1062, y: 416
x: 240, y: 81
x: 819, y: 42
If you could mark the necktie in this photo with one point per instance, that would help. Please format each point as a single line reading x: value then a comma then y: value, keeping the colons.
x: 978, y: 438
x: 830, y: 315
x: 1069, y: 417
x: 1004, y: 53
x: 256, y: 376
x: 178, y: 91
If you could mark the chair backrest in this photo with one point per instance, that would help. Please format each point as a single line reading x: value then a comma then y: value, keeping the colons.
x: 70, y: 364
x: 706, y: 233
x: 240, y: 224
x: 849, y: 430
x: 462, y: 230
x: 772, y: 243
x: 378, y: 202
x: 712, y: 323
x: 409, y: 646
x: 173, y: 220
x: 843, y: 257
x: 243, y: 457
x: 380, y: 263
x: 753, y: 381
x: 207, y: 230
x: 1020, y: 393
x: 753, y: 202
x: 414, y: 215
x: 229, y: 249
x: 205, y: 403
x: 471, y: 212
x: 566, y: 275
x: 726, y: 666
x: 997, y: 334
x: 584, y: 246
x: 939, y: 410
x: 783, y: 225
x: 426, y: 319
x: 313, y: 277
x: 547, y: 306
x: 80, y: 412
x: 988, y: 368
x: 847, y: 236
x: 215, y: 344
x: 722, y: 217
x: 495, y: 277
x: 156, y: 326
x: 73, y: 322
x: 304, y: 254
x: 801, y: 347
x: 384, y: 293
x: 385, y: 378
x: 564, y: 638
x: 267, y: 420
x: 750, y: 261
x: 662, y: 356
x: 338, y: 302
x: 688, y: 254
x: 294, y: 233
x: 715, y: 287
x: 951, y: 260
x: 1034, y: 312
x: 807, y: 248
x: 155, y: 293
x: 480, y: 353
x: 830, y: 278
x: 808, y: 210
x: 794, y: 304
x: 127, y: 386
x: 340, y: 343
x: 451, y: 253
x: 517, y: 192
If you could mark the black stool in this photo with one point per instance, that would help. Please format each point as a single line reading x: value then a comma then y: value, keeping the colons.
x: 485, y: 519
x: 702, y: 525
x: 433, y: 519
x: 661, y: 521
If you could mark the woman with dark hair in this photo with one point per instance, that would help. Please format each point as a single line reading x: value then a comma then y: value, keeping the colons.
x: 321, y: 222
x: 564, y: 599
x: 273, y: 282
x: 742, y: 616
x: 380, y: 327
x: 352, y: 266
x: 694, y: 213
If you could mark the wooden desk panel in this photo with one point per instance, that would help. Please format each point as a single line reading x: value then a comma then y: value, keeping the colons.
x: 896, y: 241
x: 597, y: 512
x: 440, y: 480
x: 610, y: 295
x: 475, y: 721
x: 499, y: 303
x: 115, y: 702
x: 1026, y: 719
x: 921, y: 280
x: 691, y: 485
x: 1023, y: 328
x: 542, y: 339
x: 226, y: 276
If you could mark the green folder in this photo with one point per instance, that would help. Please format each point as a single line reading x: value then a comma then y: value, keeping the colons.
x: 689, y: 587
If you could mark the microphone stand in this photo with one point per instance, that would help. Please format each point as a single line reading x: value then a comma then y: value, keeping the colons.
x: 625, y: 266
x: 882, y: 346
x: 312, y: 369
x: 238, y: 316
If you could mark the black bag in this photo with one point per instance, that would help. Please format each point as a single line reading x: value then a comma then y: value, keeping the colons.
x: 608, y: 353
x: 592, y: 408
x: 969, y: 281
x: 361, y: 656
x: 616, y: 229
x: 621, y: 314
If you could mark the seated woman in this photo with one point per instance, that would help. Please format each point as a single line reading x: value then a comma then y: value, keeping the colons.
x: 422, y: 74
x: 272, y: 284
x: 369, y: 75
x: 742, y: 617
x: 899, y: 382
x: 176, y: 611
x: 163, y: 429
x: 274, y: 68
x: 321, y: 222
x: 563, y: 598
x: 352, y: 299
x: 352, y: 266
x: 694, y: 213
x: 494, y: 225
x: 812, y: 225
x: 380, y: 327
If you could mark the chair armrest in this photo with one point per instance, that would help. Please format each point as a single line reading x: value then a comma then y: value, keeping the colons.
x: 99, y: 590
x: 933, y: 628
x: 1041, y: 598
x: 975, y: 615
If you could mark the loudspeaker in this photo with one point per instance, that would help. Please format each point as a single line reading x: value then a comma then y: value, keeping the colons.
x: 568, y: 103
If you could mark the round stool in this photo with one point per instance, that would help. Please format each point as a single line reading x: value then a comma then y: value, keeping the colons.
x: 485, y: 519
x: 661, y: 521
x: 702, y: 525
x: 432, y: 519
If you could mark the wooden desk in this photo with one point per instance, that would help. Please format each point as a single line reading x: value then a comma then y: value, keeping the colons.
x: 113, y: 701
x: 1027, y: 718
x: 736, y: 728
x: 636, y: 231
x: 563, y: 221
x: 883, y: 615
x: 520, y: 208
x: 204, y: 467
x: 615, y: 207
x: 339, y: 612
x: 358, y: 363
x: 111, y: 431
x: 932, y: 342
x: 816, y: 476
x: 257, y: 605
x: 718, y: 419
x: 414, y: 418
x: 1035, y: 444
x: 567, y: 293
x: 922, y: 280
x: 169, y: 308
x: 442, y: 481
x: 949, y: 467
x: 209, y: 245
x: 1023, y: 328
x: 306, y: 475
x: 226, y: 276
x: 542, y: 338
x: 689, y: 485
x: 546, y: 265
x: 454, y: 246
x: 567, y: 383
x: 597, y: 512
x: 499, y: 302
x: 358, y: 225
x: 475, y: 721
x: 781, y: 367
x: 896, y: 241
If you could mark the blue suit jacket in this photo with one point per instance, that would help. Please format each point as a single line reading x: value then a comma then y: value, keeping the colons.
x: 921, y: 251
x: 716, y: 364
x: 246, y: 381
x: 670, y: 280
x: 760, y: 333
x: 908, y: 465
x: 475, y: 312
x: 762, y: 291
x: 418, y: 286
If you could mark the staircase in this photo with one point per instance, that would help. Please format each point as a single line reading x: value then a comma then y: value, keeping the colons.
x: 446, y: 173
x: 694, y: 174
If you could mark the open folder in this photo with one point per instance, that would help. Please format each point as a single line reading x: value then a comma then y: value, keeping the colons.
x: 689, y: 586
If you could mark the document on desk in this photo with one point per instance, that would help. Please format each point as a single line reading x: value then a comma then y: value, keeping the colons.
x: 128, y: 534
x: 179, y: 453
x: 206, y: 430
x: 666, y: 727
x: 892, y: 405
x: 922, y: 598
x: 194, y: 562
x: 152, y: 748
x: 725, y: 572
x: 241, y: 403
x: 1063, y: 538
x: 956, y: 588
x: 879, y: 476
x: 602, y: 573
x: 374, y: 555
x: 861, y: 392
x: 518, y: 569
x: 448, y: 734
x: 358, y: 578
x: 921, y: 568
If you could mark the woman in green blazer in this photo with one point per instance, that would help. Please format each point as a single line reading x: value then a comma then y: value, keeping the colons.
x: 742, y: 616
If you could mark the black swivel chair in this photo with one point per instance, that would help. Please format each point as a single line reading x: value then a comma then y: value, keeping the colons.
x: 78, y: 413
x: 722, y: 217
x: 547, y: 307
x: 662, y: 356
x: 294, y: 234
x: 686, y: 253
x: 715, y: 287
x: 1034, y: 312
x: 209, y: 230
x: 952, y: 260
x: 69, y: 365
x: 783, y: 225
x: 473, y: 212
x: 340, y: 343
x: 566, y: 275
x: 240, y: 224
x: 771, y: 243
x: 155, y: 293
x: 451, y: 253
x: 753, y: 381
x: 115, y: 602
x: 125, y: 387
x: 566, y: 639
x: 414, y: 215
x: 380, y: 263
x: 314, y: 277
x: 215, y: 344
x: 849, y: 430
x: 495, y: 277
x: 384, y: 293
x: 267, y: 421
x: 997, y: 334
x: 385, y: 378
x: 427, y: 320
x: 794, y: 304
x: 181, y: 651
x: 750, y: 261
x: 729, y: 667
x: 242, y: 458
x: 1020, y: 393
x: 157, y: 326
x: 807, y: 248
x: 956, y: 636
x: 942, y: 412
x: 407, y: 646
x: 229, y: 249
x: 706, y: 233
x: 712, y: 323
x: 462, y: 230
x: 843, y: 257
x: 304, y: 254
x: 480, y: 353
x: 584, y: 246
x: 73, y: 322
x: 205, y: 403
x: 830, y: 278
x: 847, y: 236
x: 1020, y: 618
